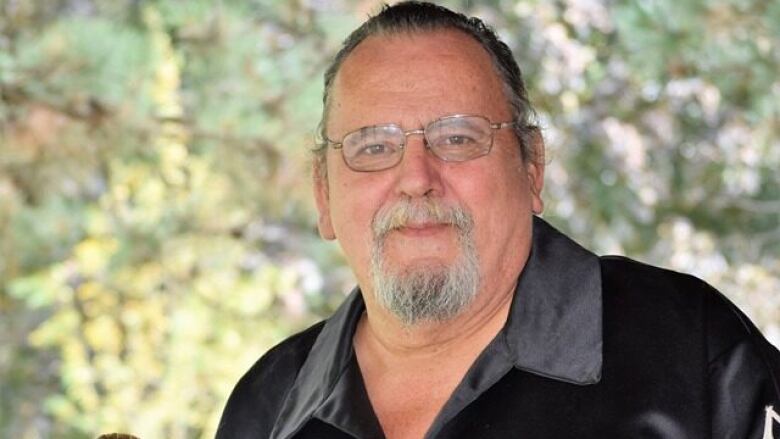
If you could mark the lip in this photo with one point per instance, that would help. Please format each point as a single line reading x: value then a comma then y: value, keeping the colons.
x: 421, y: 230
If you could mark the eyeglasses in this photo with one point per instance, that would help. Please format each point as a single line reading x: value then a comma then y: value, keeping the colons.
x: 455, y: 138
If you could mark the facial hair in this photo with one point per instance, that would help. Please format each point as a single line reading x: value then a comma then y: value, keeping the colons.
x: 427, y: 293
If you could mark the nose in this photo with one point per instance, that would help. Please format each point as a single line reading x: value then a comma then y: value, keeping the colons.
x: 419, y: 173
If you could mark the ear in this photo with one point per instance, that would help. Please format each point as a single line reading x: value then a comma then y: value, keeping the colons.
x: 535, y: 168
x: 322, y: 198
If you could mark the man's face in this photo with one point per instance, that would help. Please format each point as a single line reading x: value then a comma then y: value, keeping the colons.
x: 412, y: 80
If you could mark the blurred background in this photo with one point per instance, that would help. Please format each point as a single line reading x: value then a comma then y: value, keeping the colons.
x: 157, y: 232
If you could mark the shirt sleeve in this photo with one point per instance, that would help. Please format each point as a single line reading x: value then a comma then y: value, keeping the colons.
x: 743, y: 376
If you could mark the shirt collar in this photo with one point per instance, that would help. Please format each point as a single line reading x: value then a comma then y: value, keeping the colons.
x: 329, y: 356
x: 554, y: 328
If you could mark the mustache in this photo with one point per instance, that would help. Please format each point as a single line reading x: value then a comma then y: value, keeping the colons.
x: 407, y: 211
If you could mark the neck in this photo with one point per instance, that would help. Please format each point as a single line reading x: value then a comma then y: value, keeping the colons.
x: 396, y: 360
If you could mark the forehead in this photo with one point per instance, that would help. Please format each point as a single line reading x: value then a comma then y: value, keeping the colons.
x: 412, y: 78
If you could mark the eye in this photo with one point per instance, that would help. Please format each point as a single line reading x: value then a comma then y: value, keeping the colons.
x: 375, y: 149
x: 457, y: 140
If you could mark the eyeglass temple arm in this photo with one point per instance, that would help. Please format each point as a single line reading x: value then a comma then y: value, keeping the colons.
x: 498, y: 126
x: 335, y: 145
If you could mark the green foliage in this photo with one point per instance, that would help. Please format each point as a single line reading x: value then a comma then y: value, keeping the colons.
x: 156, y: 228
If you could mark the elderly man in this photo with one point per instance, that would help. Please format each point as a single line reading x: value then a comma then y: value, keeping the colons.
x: 473, y: 318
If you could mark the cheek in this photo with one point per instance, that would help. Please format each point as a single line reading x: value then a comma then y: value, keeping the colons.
x: 495, y: 199
x: 352, y: 210
x: 492, y: 186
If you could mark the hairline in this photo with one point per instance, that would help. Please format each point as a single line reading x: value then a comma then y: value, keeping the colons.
x: 517, y: 101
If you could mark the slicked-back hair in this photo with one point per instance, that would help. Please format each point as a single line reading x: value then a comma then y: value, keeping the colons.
x: 414, y: 17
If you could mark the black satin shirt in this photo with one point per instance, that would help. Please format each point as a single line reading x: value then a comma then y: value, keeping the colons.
x: 593, y: 348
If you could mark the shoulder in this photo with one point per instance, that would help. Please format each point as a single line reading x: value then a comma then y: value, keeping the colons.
x: 256, y: 399
x: 670, y: 308
x: 652, y: 303
x: 627, y: 276
x: 678, y: 298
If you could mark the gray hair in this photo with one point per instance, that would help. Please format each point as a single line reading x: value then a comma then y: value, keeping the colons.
x: 414, y: 17
x: 424, y: 293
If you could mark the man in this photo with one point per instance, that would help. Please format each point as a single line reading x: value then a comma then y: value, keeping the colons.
x: 473, y: 318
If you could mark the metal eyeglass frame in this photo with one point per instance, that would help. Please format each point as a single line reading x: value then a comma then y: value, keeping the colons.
x: 493, y: 126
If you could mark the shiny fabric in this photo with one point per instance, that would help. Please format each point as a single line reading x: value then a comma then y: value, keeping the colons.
x: 593, y: 348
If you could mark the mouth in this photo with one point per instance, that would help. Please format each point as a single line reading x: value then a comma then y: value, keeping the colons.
x: 422, y: 229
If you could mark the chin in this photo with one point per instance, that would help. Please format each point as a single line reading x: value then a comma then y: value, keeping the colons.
x: 421, y: 264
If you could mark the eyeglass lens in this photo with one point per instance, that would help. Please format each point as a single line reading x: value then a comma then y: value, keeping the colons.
x: 455, y: 138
